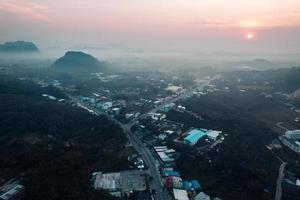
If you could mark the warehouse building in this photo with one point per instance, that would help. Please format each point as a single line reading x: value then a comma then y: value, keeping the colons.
x: 120, y: 183
x: 194, y: 136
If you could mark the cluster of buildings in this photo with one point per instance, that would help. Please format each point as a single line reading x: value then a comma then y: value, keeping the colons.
x: 179, y: 188
x: 292, y: 140
x: 105, y: 78
x: 291, y: 183
x: 194, y: 136
x: 12, y: 190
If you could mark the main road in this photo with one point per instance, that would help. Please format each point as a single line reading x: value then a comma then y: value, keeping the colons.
x: 140, y: 147
x: 156, y: 184
x: 279, y: 181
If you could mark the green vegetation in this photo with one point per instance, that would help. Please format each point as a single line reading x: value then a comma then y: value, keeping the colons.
x: 52, y: 146
x: 241, y: 164
x: 18, y: 46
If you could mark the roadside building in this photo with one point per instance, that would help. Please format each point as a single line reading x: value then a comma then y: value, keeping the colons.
x: 180, y: 194
x: 172, y: 173
x: 120, y: 183
x: 12, y: 191
x: 162, y: 153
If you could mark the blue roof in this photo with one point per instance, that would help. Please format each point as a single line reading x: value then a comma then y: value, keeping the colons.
x: 194, y: 136
x: 195, y: 184
x: 171, y: 173
x: 186, y: 185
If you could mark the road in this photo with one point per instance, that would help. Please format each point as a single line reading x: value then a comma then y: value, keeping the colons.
x: 172, y: 100
x: 161, y: 193
x: 279, y: 124
x: 150, y: 161
x: 279, y: 181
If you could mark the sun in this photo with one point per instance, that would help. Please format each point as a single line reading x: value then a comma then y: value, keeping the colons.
x: 249, y: 36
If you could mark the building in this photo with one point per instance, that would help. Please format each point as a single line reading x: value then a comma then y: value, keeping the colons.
x: 120, y: 183
x: 180, y: 194
x: 195, y: 185
x: 292, y: 140
x: 213, y: 135
x: 172, y: 173
x: 186, y: 185
x: 165, y: 156
x: 12, y: 191
x: 107, y: 105
x: 202, y: 196
x: 295, y: 134
x: 173, y: 182
x: 194, y: 136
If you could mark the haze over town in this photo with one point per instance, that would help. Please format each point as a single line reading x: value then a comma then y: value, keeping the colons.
x: 149, y: 100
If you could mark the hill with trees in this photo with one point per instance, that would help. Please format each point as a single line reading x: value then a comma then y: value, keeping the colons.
x: 18, y: 47
x: 54, y: 147
x: 77, y: 61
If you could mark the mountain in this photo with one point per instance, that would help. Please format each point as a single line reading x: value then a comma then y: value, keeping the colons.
x: 78, y: 61
x: 18, y: 47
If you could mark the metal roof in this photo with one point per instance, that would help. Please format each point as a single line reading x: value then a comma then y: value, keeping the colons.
x: 194, y: 136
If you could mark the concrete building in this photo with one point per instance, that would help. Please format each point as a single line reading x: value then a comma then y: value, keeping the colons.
x: 120, y: 183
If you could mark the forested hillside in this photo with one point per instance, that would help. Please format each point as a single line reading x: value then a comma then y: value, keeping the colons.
x: 54, y: 146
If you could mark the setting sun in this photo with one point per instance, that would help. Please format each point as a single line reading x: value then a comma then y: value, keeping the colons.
x: 249, y: 36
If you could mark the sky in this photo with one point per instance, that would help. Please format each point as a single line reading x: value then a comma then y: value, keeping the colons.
x: 184, y: 25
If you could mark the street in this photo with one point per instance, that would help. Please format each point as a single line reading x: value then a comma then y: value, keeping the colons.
x: 139, y: 146
x: 279, y: 180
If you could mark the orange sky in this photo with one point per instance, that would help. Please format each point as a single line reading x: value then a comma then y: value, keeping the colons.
x: 178, y: 23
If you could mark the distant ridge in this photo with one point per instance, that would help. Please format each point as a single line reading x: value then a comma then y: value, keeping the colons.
x: 18, y: 47
x: 78, y: 61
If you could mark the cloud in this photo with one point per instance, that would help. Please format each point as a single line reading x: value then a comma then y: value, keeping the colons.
x: 287, y: 19
x: 24, y: 9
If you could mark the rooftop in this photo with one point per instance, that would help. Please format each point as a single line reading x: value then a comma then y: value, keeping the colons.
x: 180, y: 194
x: 127, y: 181
x: 194, y: 135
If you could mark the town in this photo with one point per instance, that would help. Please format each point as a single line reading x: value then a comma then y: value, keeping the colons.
x: 156, y: 141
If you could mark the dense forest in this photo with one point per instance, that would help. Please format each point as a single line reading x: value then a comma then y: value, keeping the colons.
x: 241, y: 164
x: 280, y: 79
x: 53, y: 147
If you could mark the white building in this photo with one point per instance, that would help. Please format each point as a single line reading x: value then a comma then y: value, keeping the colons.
x: 180, y: 194
x: 213, y: 135
x: 202, y: 196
